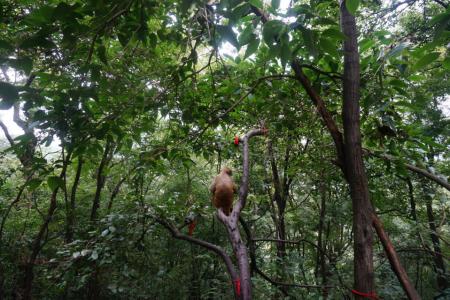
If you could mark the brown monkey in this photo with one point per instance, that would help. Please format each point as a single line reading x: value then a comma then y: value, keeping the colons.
x: 223, y: 189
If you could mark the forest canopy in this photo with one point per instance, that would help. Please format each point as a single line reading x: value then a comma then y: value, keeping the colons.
x: 330, y: 121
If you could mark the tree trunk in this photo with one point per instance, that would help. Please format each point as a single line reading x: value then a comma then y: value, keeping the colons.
x: 70, y: 222
x: 240, y: 251
x: 115, y: 192
x: 353, y: 158
x: 280, y: 196
x: 26, y: 285
x: 93, y: 290
x: 28, y: 268
x: 321, y: 266
x: 100, y: 181
x: 441, y: 279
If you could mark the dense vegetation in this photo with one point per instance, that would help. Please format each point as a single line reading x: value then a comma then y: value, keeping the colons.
x: 337, y: 131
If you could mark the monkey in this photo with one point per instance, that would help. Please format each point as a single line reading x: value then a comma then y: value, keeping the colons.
x: 223, y: 189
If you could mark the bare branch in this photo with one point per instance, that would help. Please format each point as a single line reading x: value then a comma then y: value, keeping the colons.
x: 278, y: 241
x: 243, y: 189
x: 214, y: 248
x: 442, y: 182
x: 6, y: 132
x: 277, y: 283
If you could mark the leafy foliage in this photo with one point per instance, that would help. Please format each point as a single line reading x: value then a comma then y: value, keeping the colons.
x: 129, y: 108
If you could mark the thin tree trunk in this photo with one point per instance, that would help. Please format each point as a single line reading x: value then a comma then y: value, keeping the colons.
x: 70, y: 223
x: 441, y: 279
x: 115, y: 192
x: 320, y: 259
x: 354, y: 167
x: 394, y: 260
x: 100, y: 181
x: 412, y: 202
x: 36, y: 246
x: 280, y: 197
x: 93, y: 291
x: 280, y: 202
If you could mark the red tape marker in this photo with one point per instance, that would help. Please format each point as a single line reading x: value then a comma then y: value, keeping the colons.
x: 236, y: 140
x: 371, y: 295
x: 237, y: 285
x: 192, y: 227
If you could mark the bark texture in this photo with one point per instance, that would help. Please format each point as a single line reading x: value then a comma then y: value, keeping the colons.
x: 353, y: 157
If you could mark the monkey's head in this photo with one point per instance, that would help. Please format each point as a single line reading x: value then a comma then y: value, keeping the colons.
x: 227, y: 170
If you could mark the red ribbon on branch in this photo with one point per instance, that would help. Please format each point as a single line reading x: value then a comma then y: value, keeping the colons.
x: 237, y: 285
x: 236, y: 140
x: 371, y: 295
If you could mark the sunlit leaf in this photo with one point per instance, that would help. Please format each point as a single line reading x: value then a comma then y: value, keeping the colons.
x: 34, y: 183
x: 256, y: 3
x: 275, y: 4
x: 272, y: 30
x: 334, y: 33
x: 426, y: 60
x: 55, y: 182
x: 329, y: 47
x: 365, y: 45
x: 446, y: 63
x: 252, y: 47
x: 352, y: 6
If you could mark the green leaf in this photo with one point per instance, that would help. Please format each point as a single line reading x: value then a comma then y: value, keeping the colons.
x: 40, y: 16
x: 227, y: 33
x: 308, y: 37
x: 329, y: 47
x: 440, y: 18
x: 252, y: 47
x: 185, y: 5
x: 275, y: 4
x: 334, y: 33
x: 398, y: 83
x: 239, y: 11
x: 272, y: 30
x: 365, y: 45
x: 246, y: 36
x: 256, y: 3
x: 25, y: 64
x: 36, y: 41
x: 285, y: 53
x: 352, y: 6
x: 426, y: 60
x: 5, y: 45
x: 34, y: 183
x: 101, y: 53
x: 64, y: 12
x: 8, y: 94
x: 446, y: 63
x: 55, y: 182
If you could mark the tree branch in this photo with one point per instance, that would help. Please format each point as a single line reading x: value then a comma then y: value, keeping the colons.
x: 321, y: 109
x: 8, y: 136
x: 209, y: 246
x: 420, y: 171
